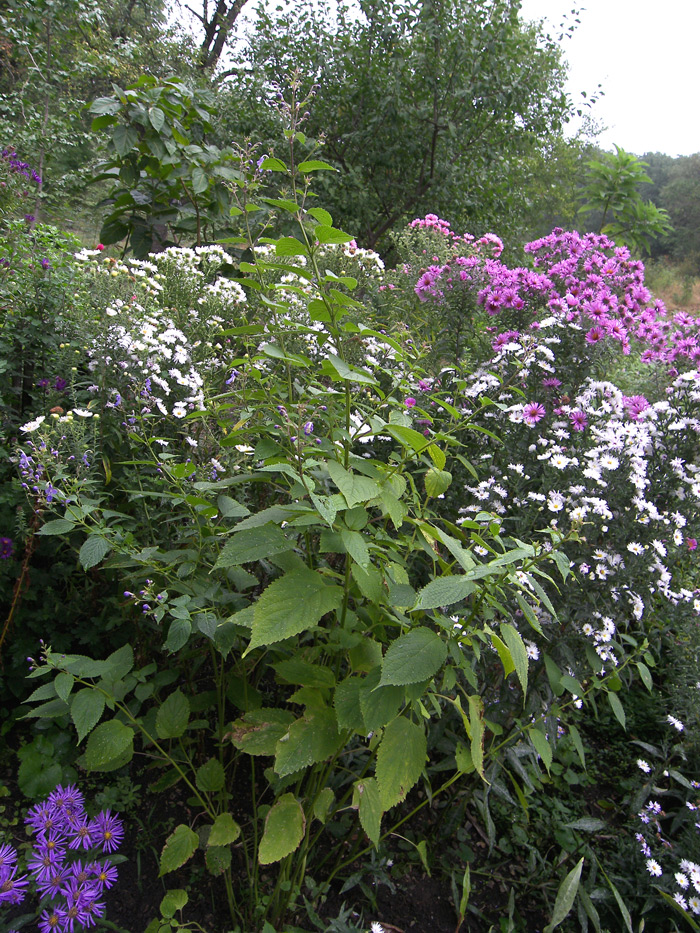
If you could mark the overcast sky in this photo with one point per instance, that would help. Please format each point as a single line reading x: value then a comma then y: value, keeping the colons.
x: 645, y: 56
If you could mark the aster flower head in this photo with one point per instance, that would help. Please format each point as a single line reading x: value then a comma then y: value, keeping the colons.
x: 107, y: 831
x: 533, y: 412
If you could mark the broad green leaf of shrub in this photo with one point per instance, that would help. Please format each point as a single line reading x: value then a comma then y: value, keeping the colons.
x: 252, y: 544
x: 86, y: 710
x: 367, y: 800
x: 59, y: 526
x: 416, y: 656
x: 224, y: 831
x: 378, y: 706
x: 179, y: 847
x: 444, y: 592
x: 323, y: 803
x: 346, y: 701
x: 260, y: 730
x: 400, y: 760
x: 311, y: 739
x: 210, y: 776
x: 290, y: 605
x: 218, y: 859
x: 617, y: 708
x: 172, y: 902
x: 93, y: 550
x: 172, y: 716
x: 110, y: 742
x: 284, y: 829
x: 437, y: 482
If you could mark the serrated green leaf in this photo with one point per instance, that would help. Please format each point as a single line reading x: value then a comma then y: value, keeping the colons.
x: 346, y: 701
x: 578, y: 744
x: 400, y: 760
x: 94, y: 549
x: 322, y: 216
x: 367, y: 800
x: 210, y: 776
x: 59, y: 526
x: 290, y: 246
x: 260, y: 730
x: 64, y: 684
x: 323, y: 804
x: 270, y: 164
x: 109, y: 742
x: 437, y: 482
x: 444, y: 591
x: 290, y: 605
x: 218, y: 860
x: 416, y: 656
x: 309, y: 740
x: 172, y: 902
x: 356, y: 546
x: 86, y: 710
x: 350, y: 373
x: 173, y: 716
x: 224, y: 831
x: 179, y: 848
x: 315, y: 165
x: 378, y: 706
x: 326, y: 234
x: 284, y: 829
x: 252, y: 544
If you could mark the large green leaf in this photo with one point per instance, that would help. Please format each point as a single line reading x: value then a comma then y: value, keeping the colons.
x: 86, y: 710
x: 290, y: 605
x: 444, y: 591
x: 311, y: 739
x: 542, y: 746
x: 252, y: 544
x: 179, y: 847
x: 355, y: 488
x: 224, y: 831
x: 400, y: 760
x: 260, y: 730
x: 346, y: 701
x: 172, y: 716
x: 367, y: 799
x: 418, y: 655
x: 210, y: 776
x: 378, y: 704
x: 110, y: 742
x: 284, y: 829
x: 94, y: 549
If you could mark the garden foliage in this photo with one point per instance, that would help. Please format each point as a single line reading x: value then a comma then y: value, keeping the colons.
x: 386, y: 538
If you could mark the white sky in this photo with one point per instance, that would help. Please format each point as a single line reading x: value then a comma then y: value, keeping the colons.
x: 645, y: 56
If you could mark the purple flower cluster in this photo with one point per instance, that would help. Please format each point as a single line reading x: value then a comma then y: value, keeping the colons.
x: 6, y: 548
x: 582, y: 279
x: 74, y: 885
x: 16, y: 165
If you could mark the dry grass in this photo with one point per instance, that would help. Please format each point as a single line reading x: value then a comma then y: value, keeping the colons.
x: 679, y: 290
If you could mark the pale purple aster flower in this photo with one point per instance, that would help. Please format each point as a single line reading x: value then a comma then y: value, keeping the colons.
x: 107, y: 831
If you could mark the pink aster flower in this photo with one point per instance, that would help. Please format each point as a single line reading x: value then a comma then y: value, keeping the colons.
x: 578, y: 419
x: 533, y: 412
x: 410, y: 402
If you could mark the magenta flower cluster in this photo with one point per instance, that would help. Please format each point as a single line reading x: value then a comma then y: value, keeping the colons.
x: 582, y: 279
x: 63, y: 866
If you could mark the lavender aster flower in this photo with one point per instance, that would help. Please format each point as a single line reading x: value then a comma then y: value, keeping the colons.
x: 107, y: 831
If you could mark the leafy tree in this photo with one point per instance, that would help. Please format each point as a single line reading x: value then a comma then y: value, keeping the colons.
x: 680, y: 196
x: 425, y: 104
x: 167, y: 180
x: 612, y: 189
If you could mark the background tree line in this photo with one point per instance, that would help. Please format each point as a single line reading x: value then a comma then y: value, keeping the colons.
x: 447, y: 106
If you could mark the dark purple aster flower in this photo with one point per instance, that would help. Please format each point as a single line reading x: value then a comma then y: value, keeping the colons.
x: 104, y: 873
x: 29, y: 218
x: 107, y: 831
x: 60, y: 383
x: 52, y: 920
x: 81, y: 830
x: 42, y: 818
x: 45, y: 264
x: 8, y: 856
x: 12, y: 888
x: 6, y: 549
x: 53, y: 883
x: 81, y: 905
x: 46, y: 860
x: 578, y: 419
